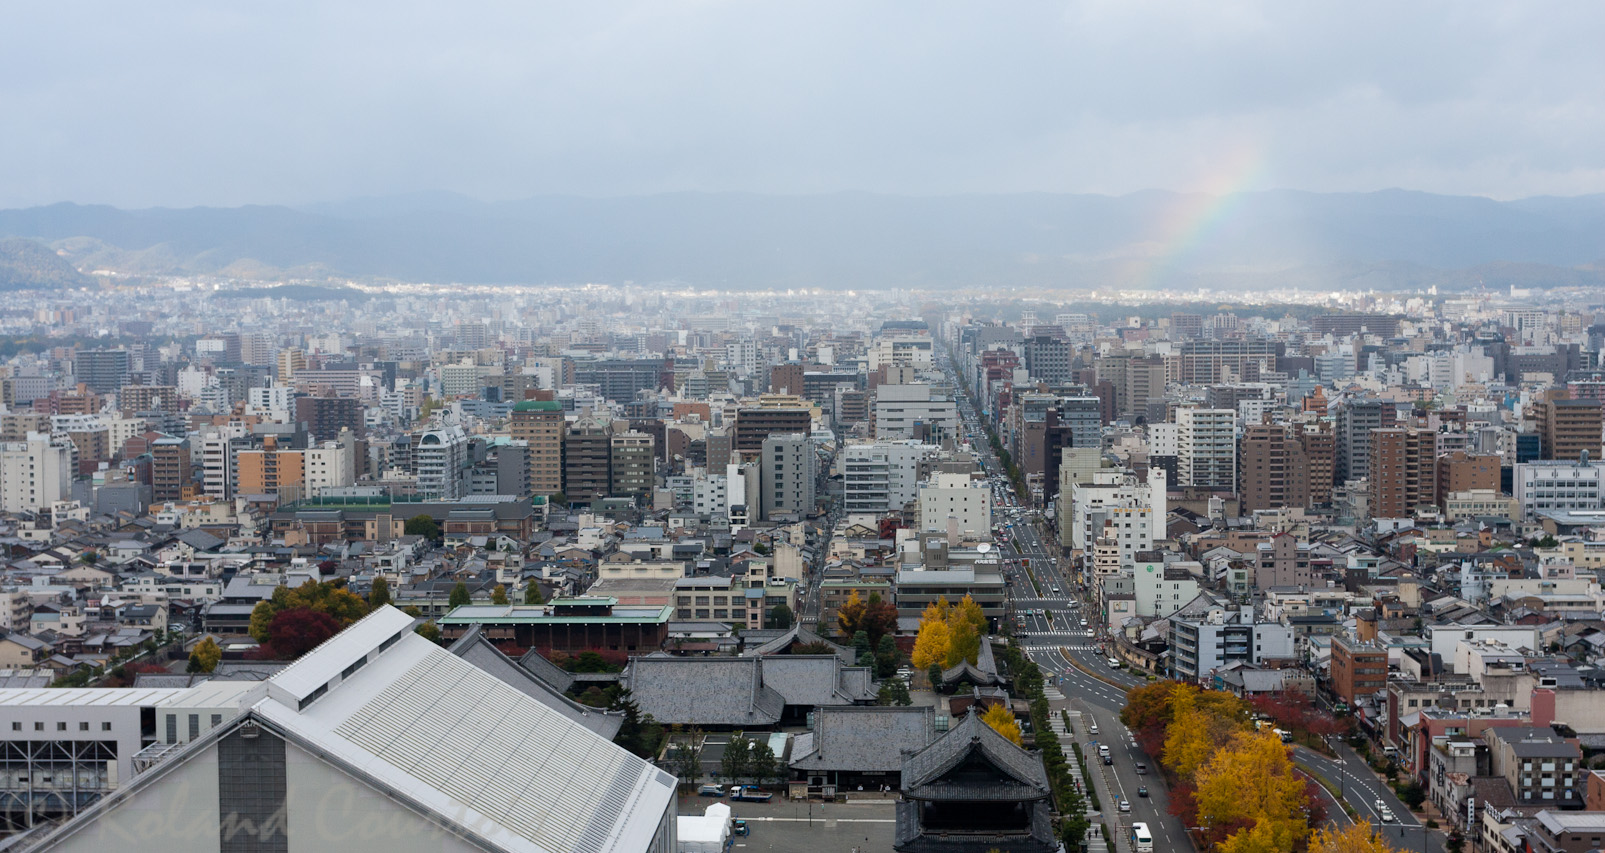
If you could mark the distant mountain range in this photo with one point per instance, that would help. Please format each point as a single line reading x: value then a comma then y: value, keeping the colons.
x: 31, y: 265
x: 1148, y: 240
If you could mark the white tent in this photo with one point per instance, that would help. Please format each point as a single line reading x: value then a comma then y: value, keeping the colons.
x: 706, y: 833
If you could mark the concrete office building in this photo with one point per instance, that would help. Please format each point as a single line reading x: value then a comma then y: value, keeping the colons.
x: 789, y: 470
x: 103, y: 370
x: 957, y: 501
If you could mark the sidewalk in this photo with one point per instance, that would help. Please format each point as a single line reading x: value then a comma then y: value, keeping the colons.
x: 1108, y: 815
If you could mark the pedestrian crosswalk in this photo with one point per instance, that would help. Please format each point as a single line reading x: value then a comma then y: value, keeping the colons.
x: 1053, y: 647
x: 1051, y: 693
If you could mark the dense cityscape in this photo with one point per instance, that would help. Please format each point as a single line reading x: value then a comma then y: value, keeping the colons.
x: 1067, y: 426
x: 879, y: 570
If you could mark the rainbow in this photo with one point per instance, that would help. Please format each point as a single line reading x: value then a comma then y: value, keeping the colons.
x: 1192, y: 217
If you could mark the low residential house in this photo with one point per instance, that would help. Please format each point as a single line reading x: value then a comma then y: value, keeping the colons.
x: 147, y: 617
x: 21, y: 651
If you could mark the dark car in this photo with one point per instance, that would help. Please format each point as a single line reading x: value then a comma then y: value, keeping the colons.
x: 1142, y: 790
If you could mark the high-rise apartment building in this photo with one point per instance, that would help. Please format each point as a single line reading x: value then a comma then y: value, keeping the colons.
x: 540, y: 423
x: 630, y: 462
x: 756, y: 423
x: 1355, y: 421
x: 1320, y: 452
x: 1274, y: 471
x: 440, y: 460
x: 1459, y: 471
x: 291, y: 362
x: 35, y: 472
x: 326, y: 416
x: 587, y: 454
x: 1569, y: 428
x: 1207, y: 448
x: 103, y: 370
x: 1403, y: 474
x: 170, y: 469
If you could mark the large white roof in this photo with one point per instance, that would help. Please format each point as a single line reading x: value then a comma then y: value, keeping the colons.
x: 471, y: 749
x: 76, y: 696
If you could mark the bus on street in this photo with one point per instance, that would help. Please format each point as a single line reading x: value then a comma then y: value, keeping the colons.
x: 1141, y: 840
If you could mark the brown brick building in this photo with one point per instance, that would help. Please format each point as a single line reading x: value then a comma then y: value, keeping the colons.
x: 540, y: 423
x: 1567, y: 428
x: 1460, y: 472
x: 1272, y: 470
x: 1402, y: 475
x: 1358, y: 669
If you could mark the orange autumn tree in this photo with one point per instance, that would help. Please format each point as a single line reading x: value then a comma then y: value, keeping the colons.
x: 1359, y: 837
x: 1251, y: 784
x: 1003, y: 722
x: 850, y: 615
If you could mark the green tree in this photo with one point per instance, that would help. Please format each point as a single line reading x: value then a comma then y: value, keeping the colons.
x: 532, y: 592
x: 894, y: 691
x: 429, y: 631
x: 498, y: 595
x: 205, y: 656
x: 735, y: 763
x: 861, y: 653
x: 422, y: 525
x: 762, y: 761
x: 379, y: 595
x: 640, y: 735
x: 459, y: 595
x: 886, y: 657
x: 686, y: 763
x: 780, y: 616
x: 557, y: 499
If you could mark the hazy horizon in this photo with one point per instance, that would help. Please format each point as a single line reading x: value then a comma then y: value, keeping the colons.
x: 179, y: 105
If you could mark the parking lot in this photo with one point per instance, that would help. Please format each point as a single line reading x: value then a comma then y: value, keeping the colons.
x: 788, y: 826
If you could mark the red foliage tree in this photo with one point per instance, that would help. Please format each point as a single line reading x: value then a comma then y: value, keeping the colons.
x: 130, y: 671
x: 511, y: 649
x: 1313, y: 803
x: 879, y: 619
x: 299, y: 630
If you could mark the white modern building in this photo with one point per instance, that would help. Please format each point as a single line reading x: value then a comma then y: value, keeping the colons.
x: 35, y: 472
x: 959, y: 500
x: 1118, y: 507
x: 440, y: 457
x: 1161, y: 589
x: 1219, y: 634
x: 882, y: 476
x: 903, y: 411
x: 327, y: 466
x: 380, y: 739
x: 1207, y: 448
x: 1550, y: 486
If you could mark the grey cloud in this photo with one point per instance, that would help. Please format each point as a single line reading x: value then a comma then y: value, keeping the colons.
x: 193, y: 103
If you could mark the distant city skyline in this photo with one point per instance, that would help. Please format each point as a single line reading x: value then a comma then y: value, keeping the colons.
x: 186, y: 104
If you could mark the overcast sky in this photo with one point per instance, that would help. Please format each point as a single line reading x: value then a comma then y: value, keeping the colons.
x: 176, y: 104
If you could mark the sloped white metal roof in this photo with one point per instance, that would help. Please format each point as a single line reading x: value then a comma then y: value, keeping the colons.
x: 475, y: 751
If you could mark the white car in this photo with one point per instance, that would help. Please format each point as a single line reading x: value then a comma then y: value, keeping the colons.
x: 1386, y: 815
